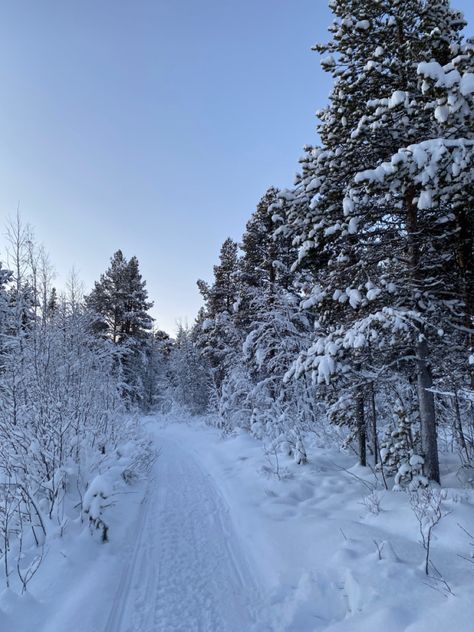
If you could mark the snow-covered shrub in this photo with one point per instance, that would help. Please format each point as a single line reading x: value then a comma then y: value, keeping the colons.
x: 372, y: 502
x: 399, y: 451
x: 426, y: 504
x: 465, y: 475
x: 411, y: 474
x: 62, y: 413
x: 96, y: 500
x: 273, y: 467
x: 135, y: 456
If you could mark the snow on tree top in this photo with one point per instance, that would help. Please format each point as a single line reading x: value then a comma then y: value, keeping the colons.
x: 466, y: 85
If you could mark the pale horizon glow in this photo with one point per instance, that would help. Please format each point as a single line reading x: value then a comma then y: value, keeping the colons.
x: 154, y: 127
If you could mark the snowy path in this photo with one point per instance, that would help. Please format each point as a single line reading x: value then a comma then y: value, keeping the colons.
x: 221, y: 544
x: 187, y: 571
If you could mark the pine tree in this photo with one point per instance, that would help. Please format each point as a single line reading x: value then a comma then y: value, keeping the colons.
x: 156, y: 378
x: 221, y: 296
x: 266, y: 258
x: 120, y: 302
x: 216, y: 334
x: 360, y: 249
x: 5, y: 311
x: 258, y: 243
x: 5, y: 276
x: 190, y: 376
x: 250, y: 346
x: 52, y: 304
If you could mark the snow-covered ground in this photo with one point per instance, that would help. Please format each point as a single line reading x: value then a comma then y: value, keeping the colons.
x: 187, y: 570
x: 223, y: 537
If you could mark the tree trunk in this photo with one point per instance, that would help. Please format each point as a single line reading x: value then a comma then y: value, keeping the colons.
x: 458, y: 427
x: 375, y: 442
x: 429, y: 441
x: 465, y: 261
x: 361, y: 429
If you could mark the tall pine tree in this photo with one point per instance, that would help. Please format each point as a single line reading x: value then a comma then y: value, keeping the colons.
x: 361, y: 250
x: 120, y: 302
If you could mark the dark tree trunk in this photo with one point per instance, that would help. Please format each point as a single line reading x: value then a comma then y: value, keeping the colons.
x: 375, y: 442
x: 426, y: 406
x: 465, y: 261
x: 361, y: 429
x: 429, y: 440
x: 458, y: 426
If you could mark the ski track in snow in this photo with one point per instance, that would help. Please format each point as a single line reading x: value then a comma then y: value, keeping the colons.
x: 187, y: 571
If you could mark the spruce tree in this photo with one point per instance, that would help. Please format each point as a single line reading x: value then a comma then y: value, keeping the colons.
x: 360, y: 249
x: 216, y: 334
x: 190, y: 376
x: 120, y: 302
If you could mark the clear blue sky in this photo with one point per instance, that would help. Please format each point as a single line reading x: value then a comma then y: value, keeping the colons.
x: 154, y: 126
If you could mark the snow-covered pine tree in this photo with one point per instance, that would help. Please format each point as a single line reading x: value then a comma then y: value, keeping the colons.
x: 266, y: 256
x: 5, y: 276
x: 279, y: 331
x: 447, y: 182
x: 221, y: 296
x: 428, y: 186
x: 52, y: 303
x: 373, y: 56
x: 190, y: 376
x: 270, y: 318
x: 215, y: 332
x: 120, y: 302
x: 156, y: 376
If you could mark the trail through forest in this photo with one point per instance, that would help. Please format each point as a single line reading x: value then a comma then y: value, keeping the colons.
x: 223, y: 536
x: 187, y: 570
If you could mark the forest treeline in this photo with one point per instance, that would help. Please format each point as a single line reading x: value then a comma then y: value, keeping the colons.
x: 350, y: 297
x: 69, y: 373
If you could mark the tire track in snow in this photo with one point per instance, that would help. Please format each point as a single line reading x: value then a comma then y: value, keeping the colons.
x: 187, y: 571
x: 120, y: 601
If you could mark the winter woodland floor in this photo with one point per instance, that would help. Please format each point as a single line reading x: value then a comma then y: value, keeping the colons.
x: 224, y: 538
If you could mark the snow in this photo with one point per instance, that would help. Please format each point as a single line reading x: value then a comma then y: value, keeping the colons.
x: 204, y: 580
x: 425, y: 200
x: 348, y: 206
x: 373, y: 293
x: 207, y: 324
x: 466, y: 86
x: 317, y: 295
x: 397, y: 98
x: 352, y: 226
x: 447, y: 77
x: 431, y: 69
x: 359, y: 341
x: 355, y: 297
x: 99, y: 486
x: 423, y: 161
x: 325, y: 365
x: 314, y: 184
x: 313, y: 543
x: 327, y: 61
x: 225, y: 536
x: 416, y: 460
x: 330, y: 230
x: 441, y: 113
